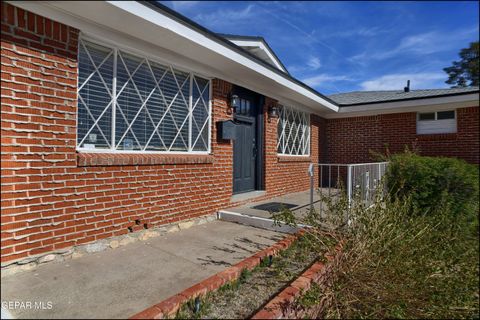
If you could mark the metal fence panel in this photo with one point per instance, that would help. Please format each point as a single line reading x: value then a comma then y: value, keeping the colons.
x: 358, y: 182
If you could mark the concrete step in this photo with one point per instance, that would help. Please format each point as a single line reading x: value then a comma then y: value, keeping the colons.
x: 255, y: 221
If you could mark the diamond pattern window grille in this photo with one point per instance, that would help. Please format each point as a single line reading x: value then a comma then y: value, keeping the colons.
x: 131, y: 103
x: 293, y: 131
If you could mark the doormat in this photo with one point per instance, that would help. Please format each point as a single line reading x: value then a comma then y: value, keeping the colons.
x: 274, y: 206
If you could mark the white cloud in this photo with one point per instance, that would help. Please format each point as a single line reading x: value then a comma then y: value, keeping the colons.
x: 424, y: 43
x: 225, y: 17
x: 324, y: 78
x: 314, y: 63
x: 426, y: 80
x: 360, y: 59
x: 419, y: 44
x: 309, y: 36
x: 366, y: 32
x: 182, y: 5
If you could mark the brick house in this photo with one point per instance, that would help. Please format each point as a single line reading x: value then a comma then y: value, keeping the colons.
x: 120, y: 116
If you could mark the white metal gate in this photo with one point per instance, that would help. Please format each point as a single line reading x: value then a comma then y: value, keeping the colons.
x: 359, y: 181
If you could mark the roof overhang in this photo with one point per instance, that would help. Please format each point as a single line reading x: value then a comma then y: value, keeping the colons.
x: 183, y: 43
x: 412, y: 105
x: 259, y: 48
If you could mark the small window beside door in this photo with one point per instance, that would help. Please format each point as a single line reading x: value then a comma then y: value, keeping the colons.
x: 436, y: 122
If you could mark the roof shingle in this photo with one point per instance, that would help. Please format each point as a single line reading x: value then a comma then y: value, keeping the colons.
x: 363, y: 97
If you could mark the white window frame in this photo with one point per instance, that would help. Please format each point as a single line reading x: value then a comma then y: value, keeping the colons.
x: 146, y: 55
x: 451, y: 124
x: 302, y: 151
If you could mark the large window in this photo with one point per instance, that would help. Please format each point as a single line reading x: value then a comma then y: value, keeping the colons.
x: 131, y: 103
x: 436, y: 122
x: 293, y: 132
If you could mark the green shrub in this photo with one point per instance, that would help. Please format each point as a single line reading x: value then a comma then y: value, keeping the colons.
x: 432, y: 182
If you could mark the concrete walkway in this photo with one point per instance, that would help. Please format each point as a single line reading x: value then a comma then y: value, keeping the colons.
x: 119, y: 283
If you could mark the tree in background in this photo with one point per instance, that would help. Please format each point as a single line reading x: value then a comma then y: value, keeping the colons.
x: 465, y: 72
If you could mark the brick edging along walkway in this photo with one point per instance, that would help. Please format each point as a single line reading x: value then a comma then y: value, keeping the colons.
x: 170, y: 306
x: 282, y: 306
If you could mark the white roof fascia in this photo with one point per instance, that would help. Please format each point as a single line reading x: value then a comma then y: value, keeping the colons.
x: 414, y: 105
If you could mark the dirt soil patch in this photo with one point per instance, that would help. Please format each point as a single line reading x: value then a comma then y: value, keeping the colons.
x: 242, y: 298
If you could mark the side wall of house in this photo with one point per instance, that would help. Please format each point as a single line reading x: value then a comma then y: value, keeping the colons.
x: 352, y: 140
x: 55, y: 198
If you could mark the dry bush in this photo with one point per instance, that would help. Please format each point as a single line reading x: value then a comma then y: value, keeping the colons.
x: 399, y: 265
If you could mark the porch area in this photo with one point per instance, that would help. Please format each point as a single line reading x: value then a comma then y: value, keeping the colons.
x: 328, y: 183
x: 259, y: 213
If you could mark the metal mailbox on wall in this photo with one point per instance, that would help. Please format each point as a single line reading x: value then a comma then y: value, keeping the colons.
x: 226, y: 129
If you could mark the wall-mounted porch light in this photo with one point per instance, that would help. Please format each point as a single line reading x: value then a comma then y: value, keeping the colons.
x: 234, y: 102
x: 273, y: 111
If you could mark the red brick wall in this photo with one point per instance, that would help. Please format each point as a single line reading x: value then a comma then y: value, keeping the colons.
x: 54, y: 198
x: 351, y: 140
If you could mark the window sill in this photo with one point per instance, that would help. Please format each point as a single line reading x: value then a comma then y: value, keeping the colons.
x: 294, y: 158
x: 437, y: 136
x: 130, y: 159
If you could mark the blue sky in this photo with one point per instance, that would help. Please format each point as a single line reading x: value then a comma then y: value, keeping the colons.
x: 348, y: 46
